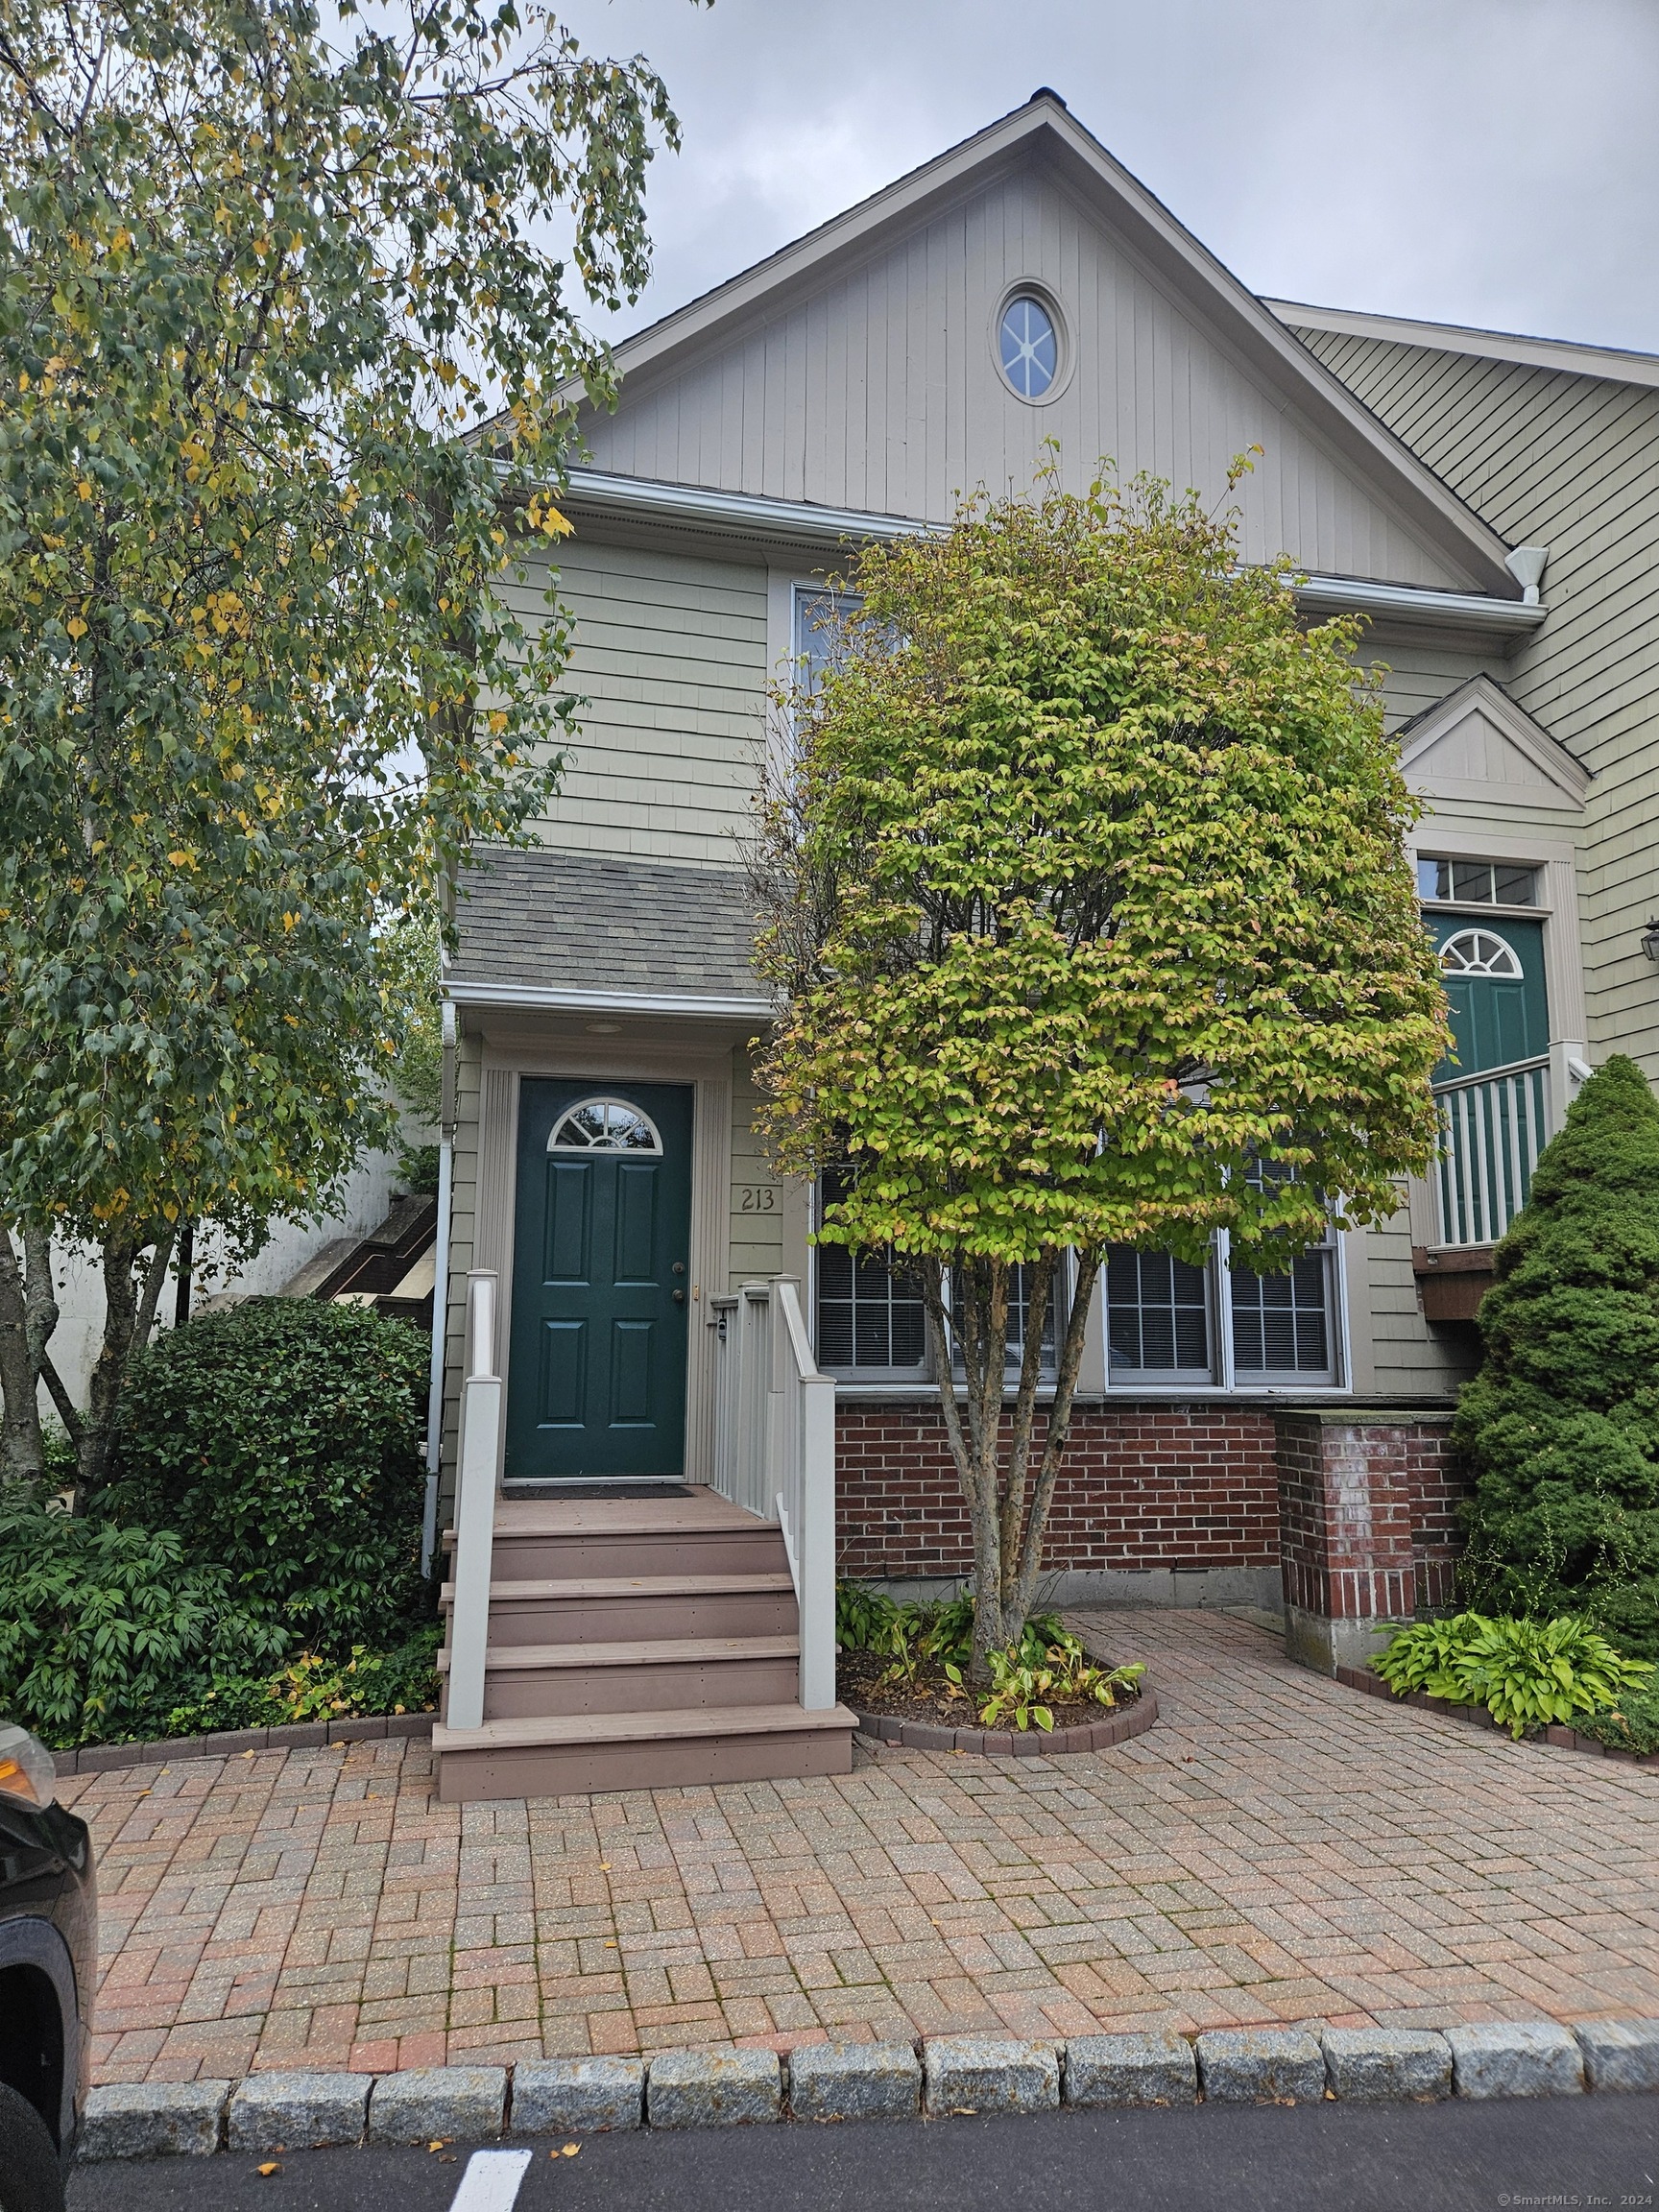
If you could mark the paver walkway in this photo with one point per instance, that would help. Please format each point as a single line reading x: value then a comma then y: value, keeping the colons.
x: 1277, y: 1848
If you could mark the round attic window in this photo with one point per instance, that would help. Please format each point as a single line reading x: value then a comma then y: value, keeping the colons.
x: 1028, y: 345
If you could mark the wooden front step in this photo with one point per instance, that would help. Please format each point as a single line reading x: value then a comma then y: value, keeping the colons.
x: 539, y: 1538
x: 635, y: 1608
x: 529, y: 1682
x: 638, y: 1644
x: 540, y: 1758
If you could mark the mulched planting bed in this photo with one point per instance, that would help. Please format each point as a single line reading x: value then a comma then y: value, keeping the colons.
x: 931, y: 1713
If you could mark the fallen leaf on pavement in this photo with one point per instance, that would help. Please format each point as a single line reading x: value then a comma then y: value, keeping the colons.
x: 269, y: 2168
x: 571, y: 2148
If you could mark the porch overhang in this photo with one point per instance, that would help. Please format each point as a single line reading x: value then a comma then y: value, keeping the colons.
x: 556, y: 998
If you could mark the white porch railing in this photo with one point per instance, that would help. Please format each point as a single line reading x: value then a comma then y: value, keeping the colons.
x: 775, y: 1452
x: 475, y: 1485
x: 1493, y: 1127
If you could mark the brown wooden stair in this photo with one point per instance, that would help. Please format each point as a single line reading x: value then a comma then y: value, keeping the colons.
x: 636, y: 1644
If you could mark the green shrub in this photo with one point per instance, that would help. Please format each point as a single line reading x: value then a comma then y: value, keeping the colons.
x: 281, y: 1439
x: 105, y: 1630
x: 316, y: 1688
x: 418, y: 1168
x: 1527, y: 1673
x: 1561, y: 1426
x: 1630, y: 1725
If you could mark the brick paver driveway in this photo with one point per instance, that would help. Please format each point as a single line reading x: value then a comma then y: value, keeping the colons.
x: 1277, y: 1848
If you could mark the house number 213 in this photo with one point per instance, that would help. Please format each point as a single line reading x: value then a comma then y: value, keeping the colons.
x: 757, y: 1198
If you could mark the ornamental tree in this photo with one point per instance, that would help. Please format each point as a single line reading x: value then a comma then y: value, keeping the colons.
x: 285, y: 375
x: 1086, y: 902
x: 1561, y: 1424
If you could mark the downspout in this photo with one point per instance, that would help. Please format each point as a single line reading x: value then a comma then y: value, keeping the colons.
x: 440, y: 1292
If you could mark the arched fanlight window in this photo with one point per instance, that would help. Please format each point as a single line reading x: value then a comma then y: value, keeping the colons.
x: 1478, y: 952
x: 604, y: 1125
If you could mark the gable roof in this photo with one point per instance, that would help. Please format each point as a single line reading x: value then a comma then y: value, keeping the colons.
x: 1480, y: 743
x: 1044, y: 134
x: 1616, y: 364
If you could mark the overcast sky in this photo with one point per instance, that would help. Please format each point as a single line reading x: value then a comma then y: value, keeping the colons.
x: 1484, y: 161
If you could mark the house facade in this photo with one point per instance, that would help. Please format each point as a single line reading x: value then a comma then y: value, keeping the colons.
x: 1489, y: 505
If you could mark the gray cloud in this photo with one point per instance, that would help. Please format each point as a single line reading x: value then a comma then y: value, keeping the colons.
x: 1484, y: 161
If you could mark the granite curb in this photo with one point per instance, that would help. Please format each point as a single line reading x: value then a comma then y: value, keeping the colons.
x: 234, y: 1743
x: 1477, y: 1717
x: 719, y: 2085
x: 1013, y: 1743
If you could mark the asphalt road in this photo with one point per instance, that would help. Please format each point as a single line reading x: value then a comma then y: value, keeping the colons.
x: 1452, y: 2157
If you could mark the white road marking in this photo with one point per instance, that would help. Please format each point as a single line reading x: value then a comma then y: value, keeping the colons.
x: 490, y: 2182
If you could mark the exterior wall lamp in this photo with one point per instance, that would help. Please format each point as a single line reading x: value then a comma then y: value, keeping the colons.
x: 1650, y: 939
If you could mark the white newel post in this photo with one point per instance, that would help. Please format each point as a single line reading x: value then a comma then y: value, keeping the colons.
x: 818, y: 1542
x: 475, y: 1505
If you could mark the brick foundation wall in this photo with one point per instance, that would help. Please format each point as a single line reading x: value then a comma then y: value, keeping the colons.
x: 1141, y: 1486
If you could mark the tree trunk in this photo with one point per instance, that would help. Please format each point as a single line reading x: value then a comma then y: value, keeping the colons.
x: 28, y: 1316
x: 130, y: 1305
x: 1008, y: 1525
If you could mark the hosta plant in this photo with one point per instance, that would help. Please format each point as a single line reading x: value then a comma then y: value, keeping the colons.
x: 1527, y: 1673
x: 864, y: 1617
x: 1027, y: 1682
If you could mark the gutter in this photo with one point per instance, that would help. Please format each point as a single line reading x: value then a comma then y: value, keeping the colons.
x: 550, y: 998
x: 801, y: 522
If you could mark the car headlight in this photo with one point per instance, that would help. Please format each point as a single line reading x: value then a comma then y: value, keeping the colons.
x: 26, y: 1768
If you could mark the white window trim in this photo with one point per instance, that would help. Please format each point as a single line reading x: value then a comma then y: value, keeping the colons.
x: 1225, y: 1383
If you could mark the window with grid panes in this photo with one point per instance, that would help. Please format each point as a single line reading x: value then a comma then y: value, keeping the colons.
x: 871, y: 1319
x: 1282, y: 1323
x: 1157, y: 1317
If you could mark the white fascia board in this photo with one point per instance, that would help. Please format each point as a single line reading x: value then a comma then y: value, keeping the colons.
x: 797, y: 522
x: 1611, y: 362
x: 554, y: 999
x: 740, y: 513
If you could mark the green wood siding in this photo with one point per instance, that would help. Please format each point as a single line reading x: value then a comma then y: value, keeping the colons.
x: 670, y: 657
x: 1572, y: 463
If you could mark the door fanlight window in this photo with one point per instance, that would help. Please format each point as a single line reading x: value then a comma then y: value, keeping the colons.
x: 1478, y: 952
x: 604, y: 1125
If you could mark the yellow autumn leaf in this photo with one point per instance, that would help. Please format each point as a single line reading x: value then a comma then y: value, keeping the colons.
x: 75, y: 626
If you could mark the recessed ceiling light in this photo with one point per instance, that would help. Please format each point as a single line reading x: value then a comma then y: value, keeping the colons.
x: 603, y: 1029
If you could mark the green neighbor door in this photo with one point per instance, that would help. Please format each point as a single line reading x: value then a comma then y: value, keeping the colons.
x: 596, y: 1373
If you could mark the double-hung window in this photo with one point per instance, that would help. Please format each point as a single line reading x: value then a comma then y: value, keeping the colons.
x: 1170, y: 1324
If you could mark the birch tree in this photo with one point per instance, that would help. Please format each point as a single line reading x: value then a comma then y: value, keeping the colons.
x: 286, y: 374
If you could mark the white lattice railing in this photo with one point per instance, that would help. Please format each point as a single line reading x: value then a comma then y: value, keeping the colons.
x: 1493, y: 1127
x: 475, y: 1483
x: 775, y: 1452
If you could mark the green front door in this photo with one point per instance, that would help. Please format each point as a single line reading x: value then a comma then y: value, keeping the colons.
x: 1494, y: 977
x: 596, y: 1374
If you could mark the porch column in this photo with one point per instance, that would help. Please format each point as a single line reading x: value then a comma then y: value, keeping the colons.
x: 1357, y: 1492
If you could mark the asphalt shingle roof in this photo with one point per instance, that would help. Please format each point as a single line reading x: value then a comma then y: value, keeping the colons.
x: 585, y: 920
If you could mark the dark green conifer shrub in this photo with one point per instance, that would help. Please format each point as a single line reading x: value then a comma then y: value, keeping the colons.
x: 1561, y: 1426
x: 281, y: 1439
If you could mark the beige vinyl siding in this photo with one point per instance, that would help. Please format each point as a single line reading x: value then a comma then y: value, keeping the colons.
x: 880, y: 391
x: 670, y: 657
x: 758, y: 1196
x: 1408, y: 1358
x: 1569, y: 462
